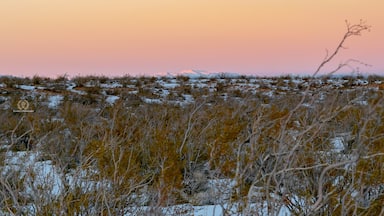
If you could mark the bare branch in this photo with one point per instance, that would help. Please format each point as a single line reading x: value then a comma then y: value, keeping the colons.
x: 320, y: 194
x: 352, y: 30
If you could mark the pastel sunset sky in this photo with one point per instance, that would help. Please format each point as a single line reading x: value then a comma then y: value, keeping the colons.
x: 144, y: 37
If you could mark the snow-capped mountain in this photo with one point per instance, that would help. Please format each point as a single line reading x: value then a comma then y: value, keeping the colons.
x: 196, y: 73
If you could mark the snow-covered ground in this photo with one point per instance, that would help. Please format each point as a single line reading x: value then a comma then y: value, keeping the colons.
x: 55, y: 100
x: 209, y: 210
x: 42, y: 176
x: 111, y: 99
x: 43, y: 180
x: 38, y: 175
x: 26, y: 87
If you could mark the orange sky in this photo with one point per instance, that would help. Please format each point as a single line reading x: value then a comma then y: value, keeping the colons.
x: 259, y: 37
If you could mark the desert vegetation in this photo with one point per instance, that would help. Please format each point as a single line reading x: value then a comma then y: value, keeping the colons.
x: 256, y: 151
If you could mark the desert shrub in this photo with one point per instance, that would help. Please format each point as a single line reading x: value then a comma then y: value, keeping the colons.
x: 221, y: 87
x: 182, y: 78
x: 93, y: 90
x: 61, y: 79
x: 132, y: 100
x: 147, y: 92
x: 237, y: 93
x: 86, y: 100
x: 113, y: 91
x: 174, y: 95
x: 80, y: 81
x: 164, y: 154
x: 11, y: 82
x: 183, y: 89
x: 12, y: 187
x: 36, y: 80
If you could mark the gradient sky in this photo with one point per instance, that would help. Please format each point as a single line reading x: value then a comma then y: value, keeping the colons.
x: 142, y: 37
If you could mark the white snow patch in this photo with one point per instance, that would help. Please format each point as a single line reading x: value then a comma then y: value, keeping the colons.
x: 17, y: 158
x: 360, y: 82
x: 82, y: 178
x: 208, y: 210
x: 133, y: 92
x: 170, y: 85
x: 46, y: 178
x: 308, y: 105
x: 188, y: 98
x: 78, y: 91
x: 111, y: 85
x: 152, y: 101
x: 40, y: 177
x: 56, y: 119
x: 71, y: 86
x: 200, y: 85
x: 111, y: 99
x: 268, y: 94
x: 339, y: 142
x: 26, y: 87
x: 164, y: 92
x: 54, y: 101
x: 361, y: 102
x: 214, y: 210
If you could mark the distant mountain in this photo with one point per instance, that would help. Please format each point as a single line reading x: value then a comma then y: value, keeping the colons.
x: 193, y: 74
